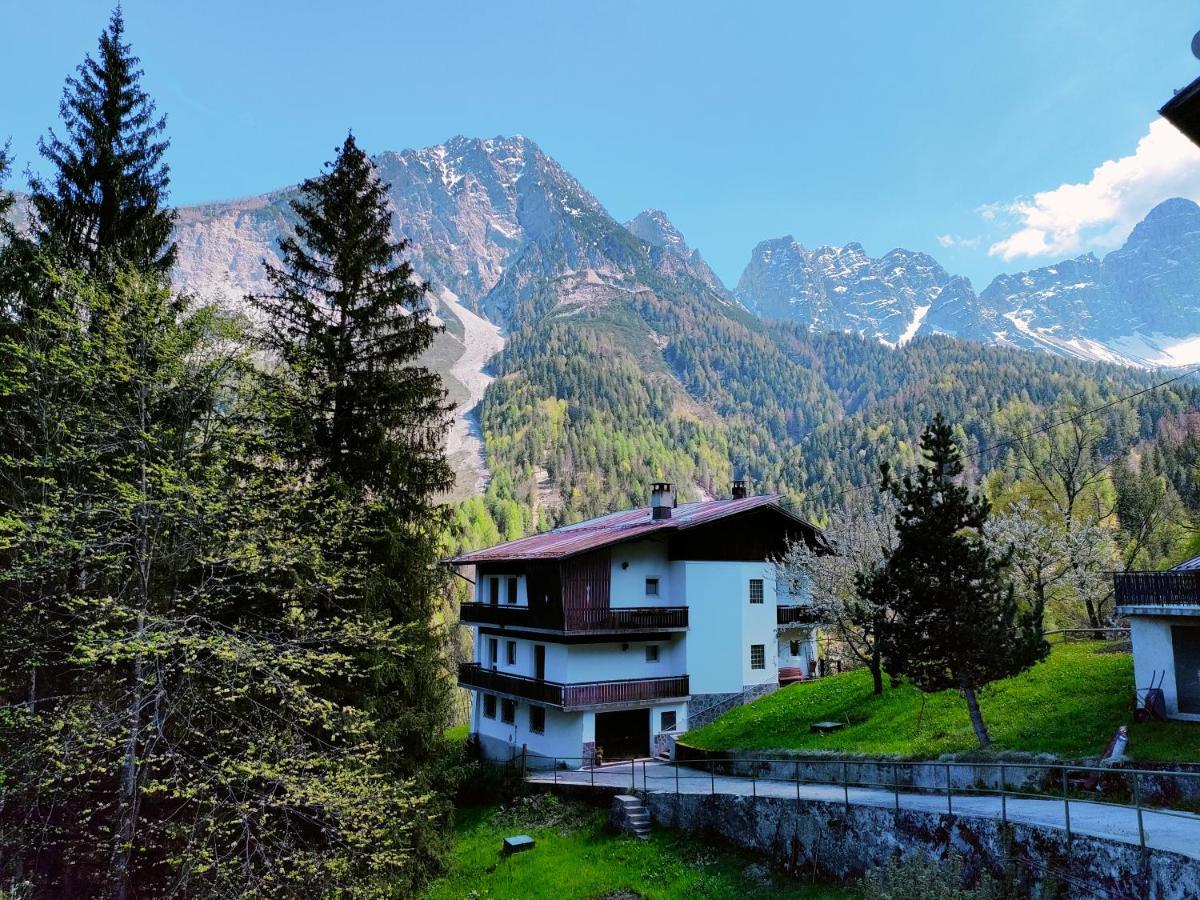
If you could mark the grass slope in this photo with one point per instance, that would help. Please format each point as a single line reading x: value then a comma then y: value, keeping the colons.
x: 1069, y: 705
x: 576, y: 857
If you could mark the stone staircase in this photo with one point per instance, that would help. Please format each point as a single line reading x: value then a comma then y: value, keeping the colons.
x: 630, y: 816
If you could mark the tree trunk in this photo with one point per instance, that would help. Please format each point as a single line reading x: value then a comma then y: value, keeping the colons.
x: 127, y: 799
x: 876, y: 666
x: 981, y: 731
x: 1093, y: 618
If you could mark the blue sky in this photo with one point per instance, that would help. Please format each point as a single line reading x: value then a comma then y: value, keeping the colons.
x: 928, y: 125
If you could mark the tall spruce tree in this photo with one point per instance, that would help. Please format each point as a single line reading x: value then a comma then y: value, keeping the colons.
x: 955, y: 622
x: 104, y: 203
x: 347, y: 319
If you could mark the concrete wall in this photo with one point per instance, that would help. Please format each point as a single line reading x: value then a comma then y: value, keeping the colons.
x: 609, y: 662
x: 565, y: 732
x: 1153, y: 652
x: 483, y: 590
x: 722, y: 624
x: 633, y: 563
x: 826, y: 837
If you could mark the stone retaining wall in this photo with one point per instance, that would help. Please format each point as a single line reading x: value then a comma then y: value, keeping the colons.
x: 829, y: 839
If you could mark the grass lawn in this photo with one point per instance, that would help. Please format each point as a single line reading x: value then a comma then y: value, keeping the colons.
x: 456, y: 734
x: 576, y: 857
x: 1069, y: 705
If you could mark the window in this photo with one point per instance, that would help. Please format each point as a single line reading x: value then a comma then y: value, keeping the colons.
x: 795, y: 648
x: 668, y: 721
x: 508, y: 711
x: 494, y: 591
x: 758, y: 656
x: 512, y: 591
x: 510, y: 653
x: 652, y: 653
x: 651, y: 587
x: 756, y: 590
x: 489, y: 706
x: 537, y: 719
x: 493, y: 651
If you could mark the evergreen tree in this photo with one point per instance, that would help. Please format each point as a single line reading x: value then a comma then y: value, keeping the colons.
x: 158, y: 632
x: 955, y: 621
x: 347, y: 319
x: 104, y: 203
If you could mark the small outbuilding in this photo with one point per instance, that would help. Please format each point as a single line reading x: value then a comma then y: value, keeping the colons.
x: 1163, y: 609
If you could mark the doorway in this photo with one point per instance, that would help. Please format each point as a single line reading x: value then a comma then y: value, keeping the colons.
x: 1185, y: 642
x: 623, y: 734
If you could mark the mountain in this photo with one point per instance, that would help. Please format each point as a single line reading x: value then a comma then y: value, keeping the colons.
x: 1139, y: 305
x: 590, y: 357
x: 843, y: 289
x: 653, y: 227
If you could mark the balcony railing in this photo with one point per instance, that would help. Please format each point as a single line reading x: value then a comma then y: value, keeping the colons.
x: 1157, y: 588
x: 576, y: 695
x: 801, y: 614
x: 619, y: 619
x: 627, y: 618
x: 496, y: 614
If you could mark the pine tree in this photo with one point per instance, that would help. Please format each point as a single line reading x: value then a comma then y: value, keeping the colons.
x: 105, y: 202
x: 955, y: 620
x: 348, y: 319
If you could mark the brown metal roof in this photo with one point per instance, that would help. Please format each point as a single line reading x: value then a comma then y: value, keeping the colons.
x: 618, y: 527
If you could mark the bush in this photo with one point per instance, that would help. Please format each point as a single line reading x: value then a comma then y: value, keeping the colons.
x: 920, y: 877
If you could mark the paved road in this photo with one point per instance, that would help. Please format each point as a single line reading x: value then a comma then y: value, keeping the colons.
x: 1178, y: 832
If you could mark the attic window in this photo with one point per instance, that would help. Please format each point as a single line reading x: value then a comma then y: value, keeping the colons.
x: 651, y: 587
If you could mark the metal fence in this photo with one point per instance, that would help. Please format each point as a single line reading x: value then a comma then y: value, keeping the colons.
x: 1144, y: 792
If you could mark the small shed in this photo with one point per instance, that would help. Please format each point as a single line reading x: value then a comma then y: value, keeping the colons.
x: 1163, y: 609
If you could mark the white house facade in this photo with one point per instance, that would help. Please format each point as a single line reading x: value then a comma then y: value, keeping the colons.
x: 1163, y: 609
x: 604, y: 637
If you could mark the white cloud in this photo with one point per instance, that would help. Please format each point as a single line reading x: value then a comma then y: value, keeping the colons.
x: 1101, y: 212
x: 952, y: 240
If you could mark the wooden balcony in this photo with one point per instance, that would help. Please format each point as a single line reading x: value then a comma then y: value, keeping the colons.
x: 628, y: 618
x: 797, y: 614
x: 497, y: 614
x: 578, y: 695
x: 618, y: 620
x: 1158, y: 589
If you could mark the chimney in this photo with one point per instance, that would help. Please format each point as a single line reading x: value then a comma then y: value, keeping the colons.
x: 662, y: 500
x: 739, y: 489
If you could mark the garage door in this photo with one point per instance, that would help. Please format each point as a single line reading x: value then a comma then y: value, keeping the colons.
x: 1185, y: 640
x: 623, y: 734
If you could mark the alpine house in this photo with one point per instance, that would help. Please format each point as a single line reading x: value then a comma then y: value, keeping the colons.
x: 606, y: 638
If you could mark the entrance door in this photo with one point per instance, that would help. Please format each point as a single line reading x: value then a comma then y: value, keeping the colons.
x: 1185, y: 642
x: 623, y: 734
x: 539, y: 662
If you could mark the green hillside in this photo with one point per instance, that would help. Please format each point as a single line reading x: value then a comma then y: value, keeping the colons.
x: 1069, y: 705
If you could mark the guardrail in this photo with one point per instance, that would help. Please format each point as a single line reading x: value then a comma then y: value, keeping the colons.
x: 1141, y: 790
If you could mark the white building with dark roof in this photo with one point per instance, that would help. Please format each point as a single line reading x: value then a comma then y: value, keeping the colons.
x: 608, y: 636
x: 1163, y: 609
